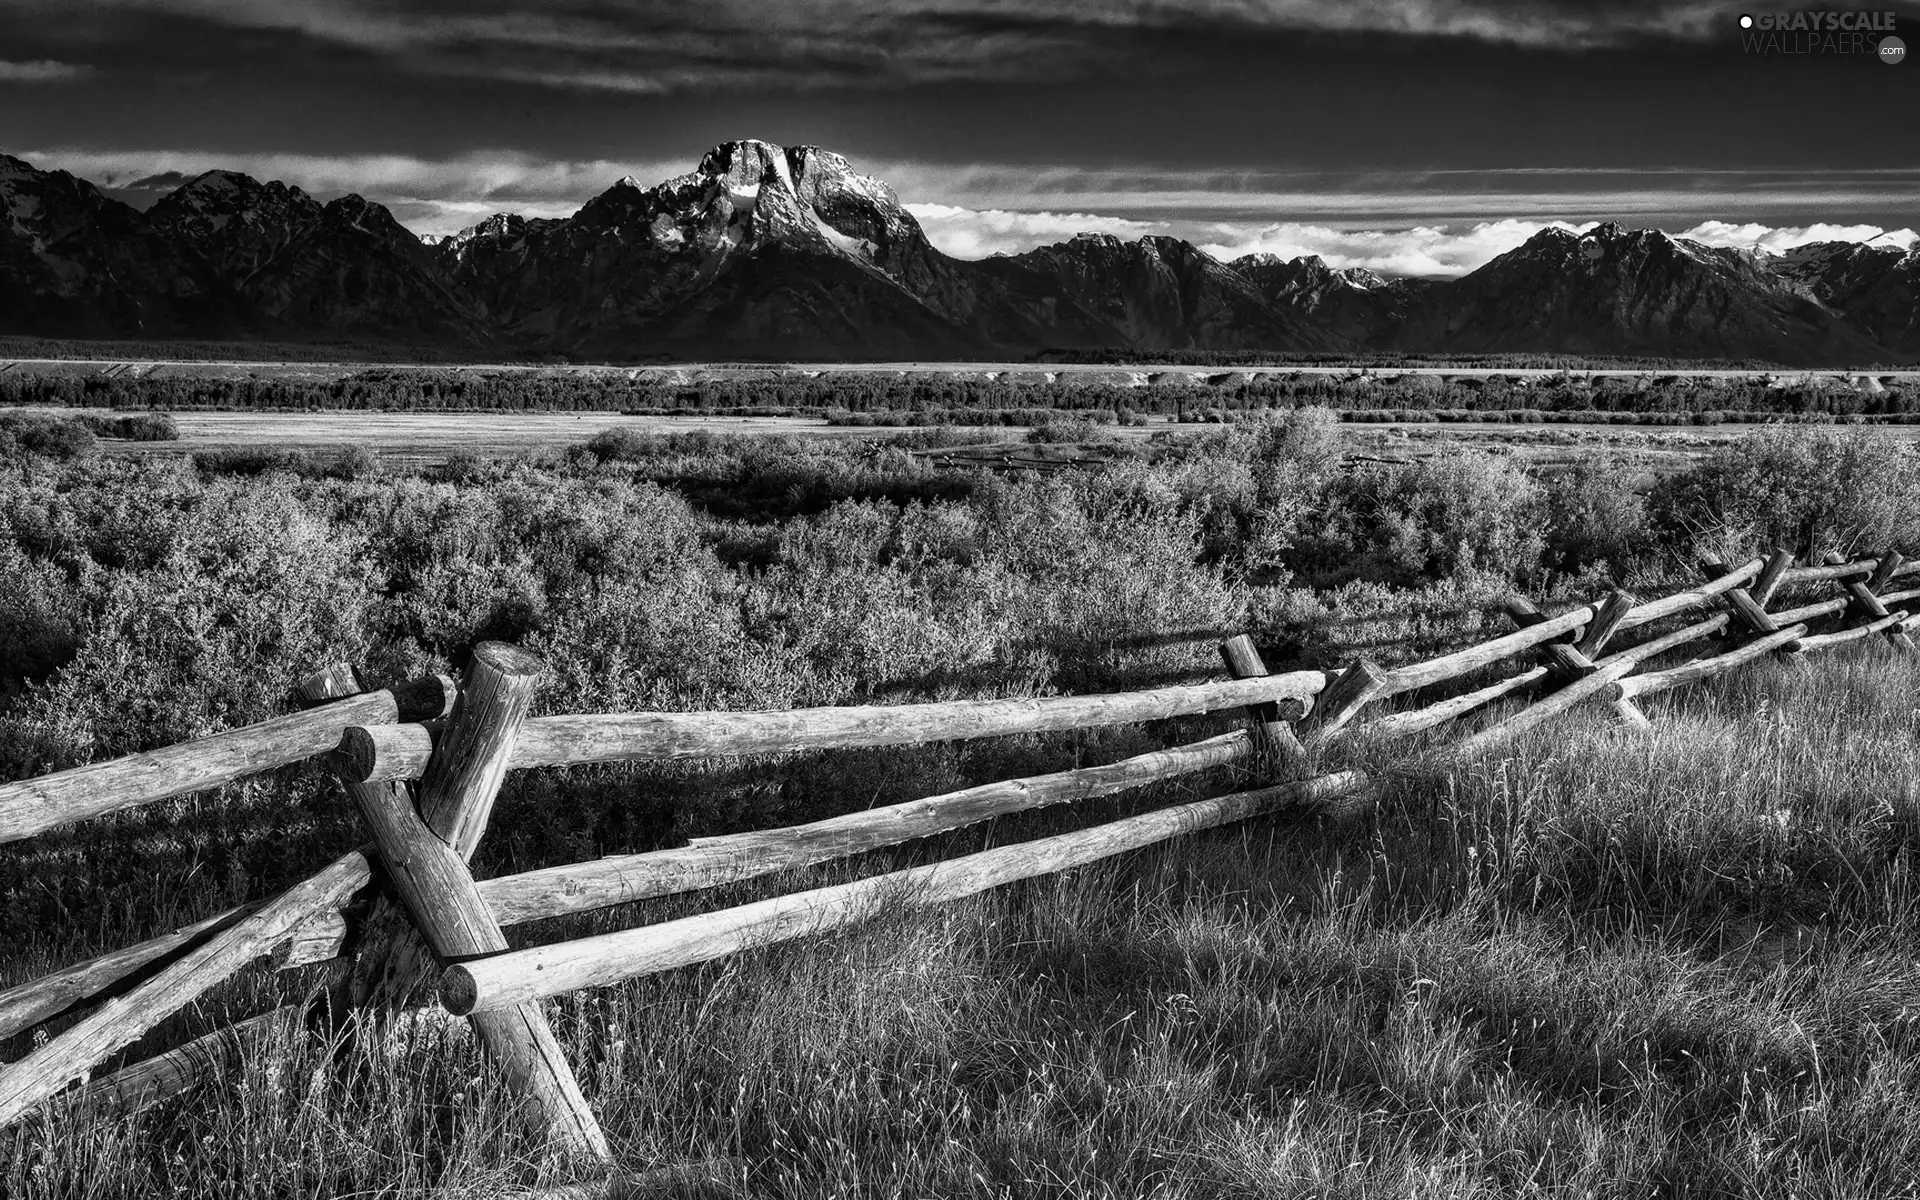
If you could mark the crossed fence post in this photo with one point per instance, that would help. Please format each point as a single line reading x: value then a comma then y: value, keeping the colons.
x: 424, y: 847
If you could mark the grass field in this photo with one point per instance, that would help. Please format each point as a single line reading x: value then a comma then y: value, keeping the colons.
x: 416, y: 439
x: 1605, y: 963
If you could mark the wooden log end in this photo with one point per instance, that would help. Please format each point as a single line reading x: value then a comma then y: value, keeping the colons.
x: 379, y: 753
x: 458, y: 990
x: 336, y: 682
x: 428, y: 698
x: 508, y: 660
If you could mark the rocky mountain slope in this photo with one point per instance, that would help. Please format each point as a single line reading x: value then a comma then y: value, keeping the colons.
x: 1620, y: 291
x: 346, y: 267
x: 765, y: 251
x: 74, y: 263
x: 1877, y: 288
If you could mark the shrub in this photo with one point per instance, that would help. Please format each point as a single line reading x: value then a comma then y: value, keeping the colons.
x: 354, y: 462
x: 246, y: 461
x: 1065, y: 429
x: 1808, y: 488
x: 1436, y: 519
x: 1596, y: 518
x: 620, y: 445
x: 464, y: 466
x: 140, y: 427
x: 59, y: 438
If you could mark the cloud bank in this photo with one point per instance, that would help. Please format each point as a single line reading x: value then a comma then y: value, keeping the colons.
x: 45, y: 70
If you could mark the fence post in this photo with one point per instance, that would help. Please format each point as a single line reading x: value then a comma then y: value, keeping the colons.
x: 425, y: 851
x: 1345, y: 695
x: 1276, y: 748
x: 1572, y: 662
x: 1866, y: 604
x: 1768, y: 580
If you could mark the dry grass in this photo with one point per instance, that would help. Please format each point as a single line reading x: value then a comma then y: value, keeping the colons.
x: 1603, y: 963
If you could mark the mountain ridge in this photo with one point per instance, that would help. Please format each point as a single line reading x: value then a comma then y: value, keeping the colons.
x: 765, y: 251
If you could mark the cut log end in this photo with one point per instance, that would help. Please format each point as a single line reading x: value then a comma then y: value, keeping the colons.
x: 509, y: 660
x: 428, y: 698
x: 336, y: 682
x: 378, y: 753
x: 458, y: 991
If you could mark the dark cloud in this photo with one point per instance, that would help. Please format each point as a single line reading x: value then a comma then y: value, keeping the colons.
x: 1024, y: 114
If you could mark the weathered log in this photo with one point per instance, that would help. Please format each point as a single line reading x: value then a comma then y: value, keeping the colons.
x: 431, y: 878
x: 1570, y: 662
x: 656, y: 736
x: 1883, y: 572
x: 1544, y: 709
x: 1825, y: 641
x: 1680, y: 602
x: 1418, y: 675
x: 425, y: 851
x: 1748, y: 612
x: 1834, y: 567
x: 1345, y: 695
x: 1707, y: 668
x: 212, y: 1055
x: 1809, y: 612
x: 1605, y: 623
x: 1579, y: 666
x: 377, y: 753
x: 35, y: 805
x: 471, y: 760
x: 1460, y: 662
x: 1401, y: 724
x: 521, y: 976
x: 710, y: 862
x: 119, y: 1022
x: 1660, y: 645
x: 28, y: 1004
x: 1892, y: 598
x: 1275, y: 743
x: 1768, y: 581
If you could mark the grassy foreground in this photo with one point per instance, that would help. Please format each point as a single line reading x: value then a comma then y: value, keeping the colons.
x: 1601, y: 963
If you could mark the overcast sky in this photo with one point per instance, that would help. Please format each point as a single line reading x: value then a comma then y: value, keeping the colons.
x: 1416, y: 136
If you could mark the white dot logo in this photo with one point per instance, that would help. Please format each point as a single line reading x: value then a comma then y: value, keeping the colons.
x: 1746, y: 22
x: 1892, y: 50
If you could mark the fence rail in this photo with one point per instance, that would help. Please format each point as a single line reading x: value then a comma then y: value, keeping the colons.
x: 423, y: 762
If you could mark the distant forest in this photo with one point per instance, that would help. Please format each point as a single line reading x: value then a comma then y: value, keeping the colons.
x: 357, y: 351
x: 939, y: 399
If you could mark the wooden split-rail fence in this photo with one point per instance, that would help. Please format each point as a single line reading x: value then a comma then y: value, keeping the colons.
x: 424, y: 761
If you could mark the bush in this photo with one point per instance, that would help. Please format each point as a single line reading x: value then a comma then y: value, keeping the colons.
x: 619, y: 445
x: 1596, y: 519
x: 1065, y: 429
x: 1437, y: 519
x: 354, y: 462
x: 1811, y: 489
x: 244, y: 461
x: 61, y: 438
x: 140, y: 427
x: 464, y: 466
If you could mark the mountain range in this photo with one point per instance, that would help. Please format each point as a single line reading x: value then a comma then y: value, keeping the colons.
x: 766, y: 252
